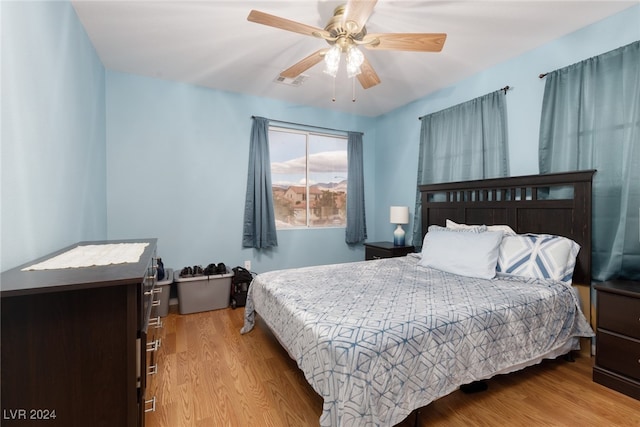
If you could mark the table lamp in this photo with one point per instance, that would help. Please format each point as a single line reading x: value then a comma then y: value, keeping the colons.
x: 399, y: 215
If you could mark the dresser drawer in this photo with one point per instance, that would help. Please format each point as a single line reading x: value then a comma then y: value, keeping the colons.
x: 619, y: 313
x: 618, y: 354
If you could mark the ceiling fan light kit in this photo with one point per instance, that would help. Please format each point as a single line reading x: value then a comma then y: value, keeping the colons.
x: 355, y: 58
x: 344, y: 32
x: 332, y: 61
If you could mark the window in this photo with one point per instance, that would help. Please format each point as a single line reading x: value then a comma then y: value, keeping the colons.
x: 308, y: 178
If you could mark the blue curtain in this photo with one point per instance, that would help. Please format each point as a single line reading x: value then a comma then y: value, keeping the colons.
x: 591, y: 120
x: 356, y: 231
x: 259, y: 218
x: 464, y: 142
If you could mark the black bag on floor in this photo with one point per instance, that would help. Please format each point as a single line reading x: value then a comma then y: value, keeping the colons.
x: 240, y: 286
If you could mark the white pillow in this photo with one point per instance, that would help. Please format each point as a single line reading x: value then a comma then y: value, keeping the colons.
x: 465, y: 254
x: 470, y: 229
x: 501, y: 227
x: 543, y: 256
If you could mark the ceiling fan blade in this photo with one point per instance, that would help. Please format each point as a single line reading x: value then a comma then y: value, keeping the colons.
x: 301, y: 66
x: 358, y: 12
x: 417, y: 42
x: 368, y: 76
x: 285, y: 24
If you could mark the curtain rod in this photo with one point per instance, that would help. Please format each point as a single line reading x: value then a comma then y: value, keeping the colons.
x: 504, y: 89
x: 309, y: 126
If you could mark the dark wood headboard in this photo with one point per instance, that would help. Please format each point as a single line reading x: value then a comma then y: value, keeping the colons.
x: 558, y: 203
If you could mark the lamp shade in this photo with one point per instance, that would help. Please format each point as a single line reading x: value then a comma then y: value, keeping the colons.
x: 399, y: 215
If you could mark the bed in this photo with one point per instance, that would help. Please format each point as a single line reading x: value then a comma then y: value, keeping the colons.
x: 379, y: 339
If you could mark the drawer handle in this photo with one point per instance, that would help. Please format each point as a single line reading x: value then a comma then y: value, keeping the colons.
x: 156, y: 322
x: 151, y: 402
x: 155, y: 303
x: 153, y: 345
x: 377, y: 257
x: 154, y: 291
x: 153, y: 369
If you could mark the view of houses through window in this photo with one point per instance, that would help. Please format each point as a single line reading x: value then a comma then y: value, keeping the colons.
x: 308, y: 178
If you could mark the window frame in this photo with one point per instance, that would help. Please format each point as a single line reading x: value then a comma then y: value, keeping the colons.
x: 308, y: 133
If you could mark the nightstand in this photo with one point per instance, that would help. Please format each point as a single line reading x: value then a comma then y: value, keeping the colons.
x: 618, y: 336
x: 377, y: 250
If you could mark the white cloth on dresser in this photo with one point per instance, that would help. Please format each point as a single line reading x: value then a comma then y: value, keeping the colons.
x: 93, y: 255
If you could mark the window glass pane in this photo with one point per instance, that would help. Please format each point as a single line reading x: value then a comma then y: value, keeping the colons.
x: 320, y: 199
x: 327, y: 181
x: 288, y: 178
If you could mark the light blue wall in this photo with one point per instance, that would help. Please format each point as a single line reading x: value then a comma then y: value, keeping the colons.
x: 159, y: 159
x: 53, y: 132
x: 398, y: 133
x: 177, y: 158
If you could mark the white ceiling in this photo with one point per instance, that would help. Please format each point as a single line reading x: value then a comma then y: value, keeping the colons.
x: 211, y: 43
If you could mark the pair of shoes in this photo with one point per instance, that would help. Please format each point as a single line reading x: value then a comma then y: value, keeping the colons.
x: 215, y: 269
x: 186, y: 271
x: 196, y: 270
x: 221, y: 268
x: 210, y: 269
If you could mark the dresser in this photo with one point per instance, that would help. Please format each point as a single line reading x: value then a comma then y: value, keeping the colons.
x: 377, y: 250
x: 75, y: 350
x: 617, y: 364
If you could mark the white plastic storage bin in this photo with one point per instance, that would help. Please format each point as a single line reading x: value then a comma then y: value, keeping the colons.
x: 203, y: 293
x: 165, y: 284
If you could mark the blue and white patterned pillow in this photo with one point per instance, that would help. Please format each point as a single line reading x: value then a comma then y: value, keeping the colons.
x: 539, y: 256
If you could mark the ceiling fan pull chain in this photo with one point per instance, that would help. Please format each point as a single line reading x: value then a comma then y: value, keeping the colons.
x: 333, y: 98
x: 353, y: 86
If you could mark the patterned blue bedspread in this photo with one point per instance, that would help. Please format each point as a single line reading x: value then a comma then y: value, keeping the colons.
x: 378, y: 339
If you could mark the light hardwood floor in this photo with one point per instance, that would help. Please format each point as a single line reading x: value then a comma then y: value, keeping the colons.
x: 212, y: 376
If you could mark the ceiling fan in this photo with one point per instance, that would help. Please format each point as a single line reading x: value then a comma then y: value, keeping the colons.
x: 344, y: 32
